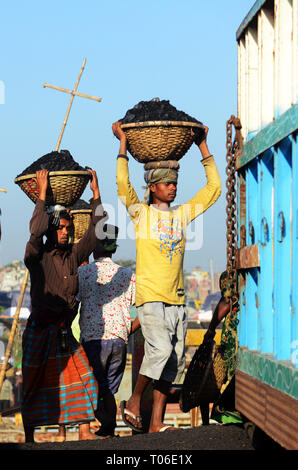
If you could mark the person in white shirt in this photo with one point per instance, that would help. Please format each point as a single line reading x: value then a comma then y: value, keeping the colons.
x: 106, y: 293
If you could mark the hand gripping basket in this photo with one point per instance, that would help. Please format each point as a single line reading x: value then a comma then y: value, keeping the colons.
x: 81, y: 220
x: 160, y: 140
x: 65, y: 187
x: 204, y: 377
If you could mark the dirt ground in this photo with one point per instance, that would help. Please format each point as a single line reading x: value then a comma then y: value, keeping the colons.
x: 212, y: 437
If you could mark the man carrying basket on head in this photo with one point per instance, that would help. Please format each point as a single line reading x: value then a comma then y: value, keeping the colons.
x: 160, y: 242
x: 58, y: 385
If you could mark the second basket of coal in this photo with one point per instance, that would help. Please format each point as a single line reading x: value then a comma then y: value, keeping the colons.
x: 157, y: 131
x: 67, y: 179
x: 81, y: 215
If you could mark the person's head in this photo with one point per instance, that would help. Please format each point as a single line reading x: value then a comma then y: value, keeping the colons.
x: 161, y: 182
x: 107, y: 245
x: 163, y: 192
x: 62, y: 232
x: 60, y: 224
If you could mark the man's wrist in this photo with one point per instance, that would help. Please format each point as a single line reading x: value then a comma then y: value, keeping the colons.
x: 207, y: 158
x: 123, y: 145
x: 122, y: 155
x: 204, y: 149
x: 96, y: 194
x: 42, y: 195
x: 41, y: 202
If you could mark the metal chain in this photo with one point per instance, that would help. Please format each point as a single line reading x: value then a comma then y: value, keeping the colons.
x: 233, y: 147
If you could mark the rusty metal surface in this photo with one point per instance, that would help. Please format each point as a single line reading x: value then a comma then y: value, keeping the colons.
x: 248, y: 257
x: 273, y: 411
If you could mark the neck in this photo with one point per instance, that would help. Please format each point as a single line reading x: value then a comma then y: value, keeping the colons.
x: 102, y: 255
x: 51, y: 245
x: 62, y: 248
x: 160, y: 204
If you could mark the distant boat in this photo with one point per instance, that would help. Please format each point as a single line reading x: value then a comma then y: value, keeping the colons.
x: 24, y: 312
x: 207, y: 310
x: 9, y: 301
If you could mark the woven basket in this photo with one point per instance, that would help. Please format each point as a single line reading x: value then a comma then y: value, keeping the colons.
x: 65, y: 187
x: 159, y: 140
x: 81, y: 220
x: 204, y: 378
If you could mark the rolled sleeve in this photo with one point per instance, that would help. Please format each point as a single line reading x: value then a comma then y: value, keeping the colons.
x: 38, y: 227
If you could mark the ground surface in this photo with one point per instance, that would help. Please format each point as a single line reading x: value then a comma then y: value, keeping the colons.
x: 212, y: 437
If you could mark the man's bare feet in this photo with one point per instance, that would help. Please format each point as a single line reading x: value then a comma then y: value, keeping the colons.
x: 61, y: 437
x: 95, y: 425
x: 85, y: 434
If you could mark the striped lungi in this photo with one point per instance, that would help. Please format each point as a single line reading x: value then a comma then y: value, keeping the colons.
x: 58, y: 386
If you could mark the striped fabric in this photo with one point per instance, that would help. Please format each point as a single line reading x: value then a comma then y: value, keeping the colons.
x: 58, y: 387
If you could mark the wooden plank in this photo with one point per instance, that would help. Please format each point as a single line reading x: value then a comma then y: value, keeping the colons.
x: 283, y: 56
x: 275, y: 417
x: 269, y: 136
x: 249, y: 17
x: 248, y: 257
x: 195, y: 337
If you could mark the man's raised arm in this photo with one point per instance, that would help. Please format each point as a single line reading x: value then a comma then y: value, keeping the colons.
x: 87, y: 243
x: 39, y: 221
x: 126, y: 191
x: 209, y: 194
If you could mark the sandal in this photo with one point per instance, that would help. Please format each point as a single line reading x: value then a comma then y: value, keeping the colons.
x: 125, y: 412
x: 166, y: 428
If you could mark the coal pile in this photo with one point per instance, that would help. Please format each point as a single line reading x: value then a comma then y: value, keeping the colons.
x: 156, y: 110
x: 80, y: 205
x: 54, y: 161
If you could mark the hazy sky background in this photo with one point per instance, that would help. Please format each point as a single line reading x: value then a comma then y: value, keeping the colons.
x: 183, y: 51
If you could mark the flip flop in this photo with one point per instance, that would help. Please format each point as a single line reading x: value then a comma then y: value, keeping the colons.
x: 98, y: 438
x: 126, y: 412
x: 166, y: 428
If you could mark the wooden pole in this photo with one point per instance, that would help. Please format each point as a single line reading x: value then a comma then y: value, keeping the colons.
x: 212, y: 276
x: 13, y: 328
x: 69, y: 106
x: 73, y: 93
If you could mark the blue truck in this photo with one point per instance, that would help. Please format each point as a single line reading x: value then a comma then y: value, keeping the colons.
x: 267, y: 219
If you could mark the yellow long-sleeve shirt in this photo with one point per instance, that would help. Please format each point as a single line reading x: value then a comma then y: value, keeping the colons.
x: 161, y: 236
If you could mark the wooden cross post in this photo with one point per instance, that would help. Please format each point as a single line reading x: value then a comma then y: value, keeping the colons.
x: 73, y: 93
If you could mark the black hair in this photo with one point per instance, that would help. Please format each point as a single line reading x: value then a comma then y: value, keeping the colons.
x: 54, y: 220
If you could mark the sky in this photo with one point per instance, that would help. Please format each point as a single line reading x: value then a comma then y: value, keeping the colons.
x: 181, y: 51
